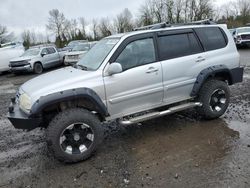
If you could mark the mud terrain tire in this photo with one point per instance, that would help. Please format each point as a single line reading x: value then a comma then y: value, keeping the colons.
x: 59, y: 125
x: 214, y: 96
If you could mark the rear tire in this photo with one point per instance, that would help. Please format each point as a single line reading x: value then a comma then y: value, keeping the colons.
x: 215, y: 97
x: 38, y: 68
x: 73, y: 135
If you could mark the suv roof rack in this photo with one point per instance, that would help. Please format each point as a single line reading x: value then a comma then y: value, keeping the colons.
x: 166, y: 24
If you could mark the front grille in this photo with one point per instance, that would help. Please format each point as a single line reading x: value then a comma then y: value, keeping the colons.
x: 73, y: 56
x: 18, y: 63
x: 245, y: 37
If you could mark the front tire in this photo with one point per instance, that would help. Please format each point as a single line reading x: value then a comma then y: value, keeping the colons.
x: 73, y: 135
x: 38, y: 68
x: 214, y: 96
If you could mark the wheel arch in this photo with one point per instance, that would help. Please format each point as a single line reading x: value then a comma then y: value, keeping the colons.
x: 82, y: 97
x: 219, y: 72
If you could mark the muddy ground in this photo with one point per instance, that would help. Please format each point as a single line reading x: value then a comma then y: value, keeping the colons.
x: 174, y: 151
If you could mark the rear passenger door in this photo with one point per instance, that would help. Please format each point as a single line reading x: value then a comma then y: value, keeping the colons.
x: 181, y: 55
x: 53, y: 57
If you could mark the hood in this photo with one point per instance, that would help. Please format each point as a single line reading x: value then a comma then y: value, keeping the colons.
x: 22, y: 58
x: 56, y: 81
x: 76, y: 53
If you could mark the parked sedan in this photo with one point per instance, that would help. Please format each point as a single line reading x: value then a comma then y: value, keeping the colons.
x: 77, y: 53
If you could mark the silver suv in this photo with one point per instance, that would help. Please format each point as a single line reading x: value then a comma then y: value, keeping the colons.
x: 130, y: 77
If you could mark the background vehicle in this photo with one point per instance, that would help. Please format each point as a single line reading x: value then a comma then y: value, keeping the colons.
x: 8, y: 52
x: 76, y: 53
x: 131, y: 77
x: 242, y: 36
x: 72, y: 44
x: 36, y: 59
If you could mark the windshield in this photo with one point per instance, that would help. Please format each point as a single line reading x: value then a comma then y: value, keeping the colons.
x: 94, y: 58
x: 31, y: 52
x: 244, y: 30
x: 81, y: 47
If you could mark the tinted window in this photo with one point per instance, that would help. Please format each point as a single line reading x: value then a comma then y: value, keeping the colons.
x: 212, y: 38
x: 51, y: 50
x: 173, y: 46
x: 137, y: 53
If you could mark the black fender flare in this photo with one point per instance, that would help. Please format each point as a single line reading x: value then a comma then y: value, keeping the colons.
x: 67, y: 95
x: 210, y: 72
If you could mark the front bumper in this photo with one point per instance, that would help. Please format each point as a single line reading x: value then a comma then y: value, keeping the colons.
x: 242, y: 42
x: 26, y: 68
x: 21, y: 120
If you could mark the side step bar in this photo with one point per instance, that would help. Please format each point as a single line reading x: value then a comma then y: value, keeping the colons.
x: 159, y: 114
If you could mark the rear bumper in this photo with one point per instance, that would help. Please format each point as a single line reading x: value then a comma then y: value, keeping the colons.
x: 237, y: 75
x: 20, y: 120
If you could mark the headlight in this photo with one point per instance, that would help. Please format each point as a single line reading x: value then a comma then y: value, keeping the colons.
x: 25, y: 103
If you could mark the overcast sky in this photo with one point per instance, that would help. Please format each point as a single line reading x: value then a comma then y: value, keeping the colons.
x: 19, y: 15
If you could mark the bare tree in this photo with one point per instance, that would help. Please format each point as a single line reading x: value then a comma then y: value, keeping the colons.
x: 95, y: 29
x: 105, y: 27
x: 146, y: 14
x: 83, y: 24
x: 124, y: 21
x: 179, y: 6
x: 5, y: 35
x: 26, y: 39
x: 57, y: 22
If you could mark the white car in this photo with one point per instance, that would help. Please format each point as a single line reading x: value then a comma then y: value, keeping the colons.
x: 77, y: 53
x: 9, y: 52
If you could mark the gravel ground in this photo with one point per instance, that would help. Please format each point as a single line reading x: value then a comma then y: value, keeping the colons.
x: 174, y: 151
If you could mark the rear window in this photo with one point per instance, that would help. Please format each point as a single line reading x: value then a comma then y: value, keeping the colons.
x: 212, y: 38
x: 174, y: 46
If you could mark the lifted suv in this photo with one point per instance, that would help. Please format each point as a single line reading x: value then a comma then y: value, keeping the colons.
x: 130, y: 77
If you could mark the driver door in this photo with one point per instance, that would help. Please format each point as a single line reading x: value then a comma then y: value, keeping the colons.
x: 139, y: 87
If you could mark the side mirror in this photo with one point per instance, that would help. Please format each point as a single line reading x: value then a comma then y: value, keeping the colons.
x: 114, y: 68
x: 43, y: 54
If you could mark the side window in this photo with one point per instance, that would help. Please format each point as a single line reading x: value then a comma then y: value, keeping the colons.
x: 137, y: 53
x: 179, y: 45
x: 51, y: 50
x: 212, y: 38
x: 44, y: 51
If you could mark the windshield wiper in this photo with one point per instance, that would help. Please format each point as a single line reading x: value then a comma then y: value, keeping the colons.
x: 81, y: 66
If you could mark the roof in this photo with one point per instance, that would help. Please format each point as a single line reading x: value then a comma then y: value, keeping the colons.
x: 174, y: 27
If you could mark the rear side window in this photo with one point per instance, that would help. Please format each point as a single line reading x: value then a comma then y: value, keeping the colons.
x: 212, y: 38
x: 51, y: 50
x: 174, y: 46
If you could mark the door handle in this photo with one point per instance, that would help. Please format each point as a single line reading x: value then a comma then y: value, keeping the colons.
x: 200, y: 59
x: 152, y: 70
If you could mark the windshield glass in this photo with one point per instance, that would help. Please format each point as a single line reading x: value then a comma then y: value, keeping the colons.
x: 244, y: 30
x: 94, y: 58
x: 81, y: 47
x: 31, y: 52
